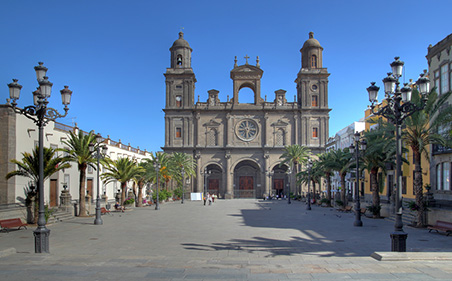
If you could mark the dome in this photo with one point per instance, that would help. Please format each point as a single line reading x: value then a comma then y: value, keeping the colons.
x: 311, y: 42
x: 181, y: 42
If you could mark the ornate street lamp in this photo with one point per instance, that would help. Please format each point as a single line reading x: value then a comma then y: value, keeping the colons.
x: 309, y: 168
x: 206, y: 173
x: 183, y: 182
x: 355, y: 148
x: 92, y: 147
x: 157, y: 170
x: 289, y: 172
x: 398, y: 107
x: 41, y: 116
x: 270, y: 175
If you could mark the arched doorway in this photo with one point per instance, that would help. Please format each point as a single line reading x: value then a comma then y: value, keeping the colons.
x: 247, y: 180
x: 213, y: 181
x: 280, y: 181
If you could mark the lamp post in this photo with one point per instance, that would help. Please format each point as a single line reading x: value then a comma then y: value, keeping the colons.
x: 309, y: 167
x: 355, y: 149
x: 289, y: 171
x: 270, y: 175
x: 206, y: 173
x: 183, y: 182
x: 157, y: 170
x: 41, y: 116
x: 92, y: 147
x: 398, y: 107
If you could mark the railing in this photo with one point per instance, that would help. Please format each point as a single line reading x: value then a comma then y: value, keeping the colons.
x: 63, y: 127
x: 244, y: 193
x: 439, y: 149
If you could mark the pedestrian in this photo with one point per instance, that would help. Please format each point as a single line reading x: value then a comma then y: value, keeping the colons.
x: 213, y: 198
x: 209, y: 198
x: 204, y: 197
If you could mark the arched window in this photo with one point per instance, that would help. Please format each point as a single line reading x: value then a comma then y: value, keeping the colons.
x: 314, y: 102
x: 315, y: 133
x: 179, y: 60
x: 178, y: 101
x: 314, y: 61
x: 279, y: 137
x: 212, y: 137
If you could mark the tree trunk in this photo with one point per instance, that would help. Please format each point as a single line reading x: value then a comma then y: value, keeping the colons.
x: 313, y: 191
x: 343, y: 189
x: 328, y: 186
x: 82, y: 191
x: 140, y: 195
x: 123, y: 192
x: 375, y: 192
x: 418, y: 188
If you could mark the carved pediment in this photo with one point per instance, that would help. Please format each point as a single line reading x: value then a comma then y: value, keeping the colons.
x: 280, y: 123
x: 212, y: 123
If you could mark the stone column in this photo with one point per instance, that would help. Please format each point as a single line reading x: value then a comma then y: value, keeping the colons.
x: 65, y: 200
x: 229, y: 180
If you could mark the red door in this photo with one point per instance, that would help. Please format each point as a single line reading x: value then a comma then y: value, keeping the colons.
x: 53, y: 193
x: 89, y: 188
x: 214, y: 186
x: 279, y: 186
x: 246, y: 187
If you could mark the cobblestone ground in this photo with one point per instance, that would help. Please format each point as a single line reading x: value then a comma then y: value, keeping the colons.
x: 229, y: 240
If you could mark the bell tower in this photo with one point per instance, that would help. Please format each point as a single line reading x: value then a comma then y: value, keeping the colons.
x: 180, y: 78
x: 312, y: 94
x: 180, y: 96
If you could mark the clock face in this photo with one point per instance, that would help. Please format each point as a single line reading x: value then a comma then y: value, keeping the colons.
x: 314, y: 87
x: 178, y: 98
x: 246, y: 130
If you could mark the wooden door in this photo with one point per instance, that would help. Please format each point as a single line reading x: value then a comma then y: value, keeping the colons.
x: 53, y: 193
x: 89, y: 188
x: 246, y: 186
x: 214, y: 186
x: 279, y: 186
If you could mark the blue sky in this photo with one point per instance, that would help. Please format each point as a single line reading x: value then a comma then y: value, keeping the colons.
x: 113, y: 54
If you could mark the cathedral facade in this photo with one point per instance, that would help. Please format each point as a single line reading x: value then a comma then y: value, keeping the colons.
x: 237, y: 146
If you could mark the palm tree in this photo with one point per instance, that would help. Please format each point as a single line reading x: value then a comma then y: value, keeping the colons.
x: 141, y: 179
x: 315, y: 176
x: 341, y: 164
x: 380, y: 151
x: 177, y: 160
x: 327, y: 165
x: 421, y: 131
x: 293, y: 155
x: 122, y: 170
x: 29, y: 167
x: 78, y: 150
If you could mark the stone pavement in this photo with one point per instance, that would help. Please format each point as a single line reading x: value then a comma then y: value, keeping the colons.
x: 230, y: 240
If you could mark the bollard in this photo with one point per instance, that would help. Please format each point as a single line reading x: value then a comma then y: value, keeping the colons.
x: 75, y: 209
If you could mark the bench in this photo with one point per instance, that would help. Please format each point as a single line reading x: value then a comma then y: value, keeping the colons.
x: 441, y: 226
x: 10, y: 223
x: 104, y: 211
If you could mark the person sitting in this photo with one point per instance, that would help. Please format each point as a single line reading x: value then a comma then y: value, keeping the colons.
x: 119, y: 207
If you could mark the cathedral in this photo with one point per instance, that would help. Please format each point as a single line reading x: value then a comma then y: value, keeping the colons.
x: 237, y: 146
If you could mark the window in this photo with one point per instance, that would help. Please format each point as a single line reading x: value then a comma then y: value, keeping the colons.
x: 444, y: 79
x: 314, y: 101
x: 178, y: 132
x: 178, y: 101
x: 280, y: 137
x: 315, y: 133
x: 445, y: 173
x: 179, y: 60
x: 90, y: 169
x: 438, y: 177
x: 246, y: 130
x: 212, y: 138
x: 313, y: 61
x: 404, y: 185
x: 436, y: 77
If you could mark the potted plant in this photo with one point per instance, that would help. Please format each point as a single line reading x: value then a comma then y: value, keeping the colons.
x: 129, y: 202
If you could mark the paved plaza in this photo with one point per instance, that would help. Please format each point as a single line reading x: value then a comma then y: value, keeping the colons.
x: 230, y: 240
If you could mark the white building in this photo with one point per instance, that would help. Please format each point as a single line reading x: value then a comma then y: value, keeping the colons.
x: 19, y: 134
x: 343, y: 139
